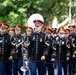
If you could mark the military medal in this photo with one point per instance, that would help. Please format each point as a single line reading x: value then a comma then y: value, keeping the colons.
x: 6, y: 40
x: 73, y: 39
x: 33, y: 38
x: 19, y: 40
x: 14, y: 38
x: 40, y: 39
x: 62, y: 42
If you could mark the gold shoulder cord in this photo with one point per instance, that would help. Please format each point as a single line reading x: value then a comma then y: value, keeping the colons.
x: 73, y: 44
x: 67, y: 45
x: 46, y: 42
x: 45, y: 38
x: 54, y: 48
x: 10, y: 38
x: 53, y: 45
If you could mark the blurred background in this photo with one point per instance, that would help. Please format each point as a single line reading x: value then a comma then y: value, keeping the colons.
x: 56, y: 13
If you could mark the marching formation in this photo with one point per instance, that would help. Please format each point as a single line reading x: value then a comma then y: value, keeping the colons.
x: 40, y: 51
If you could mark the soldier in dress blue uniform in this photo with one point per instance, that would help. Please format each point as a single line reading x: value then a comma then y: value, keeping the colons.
x: 29, y: 31
x: 38, y: 49
x: 17, y: 62
x: 69, y: 61
x: 49, y: 64
x: 53, y: 36
x: 5, y: 50
x: 54, y: 33
x: 74, y: 51
x: 72, y: 37
x: 61, y: 52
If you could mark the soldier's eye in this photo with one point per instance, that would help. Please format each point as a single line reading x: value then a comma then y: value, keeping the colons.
x: 28, y: 30
x: 61, y: 33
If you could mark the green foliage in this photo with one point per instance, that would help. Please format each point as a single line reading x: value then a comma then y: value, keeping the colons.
x: 18, y: 11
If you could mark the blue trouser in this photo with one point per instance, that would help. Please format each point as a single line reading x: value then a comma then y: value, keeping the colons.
x: 27, y: 72
x: 70, y: 63
x: 74, y: 65
x: 16, y: 65
x: 5, y: 68
x: 37, y: 65
x: 61, y: 65
x: 50, y: 69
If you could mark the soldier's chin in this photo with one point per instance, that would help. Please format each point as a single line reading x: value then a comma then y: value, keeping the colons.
x: 3, y: 33
x: 53, y: 61
x: 62, y: 36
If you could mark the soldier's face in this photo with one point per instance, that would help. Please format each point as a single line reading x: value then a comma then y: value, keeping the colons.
x: 61, y: 34
x: 49, y: 35
x: 11, y: 33
x: 4, y: 30
x: 28, y: 32
x: 38, y: 28
x: 17, y: 32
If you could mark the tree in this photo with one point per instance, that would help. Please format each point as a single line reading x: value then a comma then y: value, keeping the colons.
x: 18, y: 11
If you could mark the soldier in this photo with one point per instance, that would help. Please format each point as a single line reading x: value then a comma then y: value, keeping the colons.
x: 5, y: 50
x: 38, y: 48
x: 61, y: 52
x: 17, y: 62
x: 29, y: 31
x: 74, y: 51
x: 71, y: 61
x: 54, y: 33
x: 53, y: 36
x: 11, y: 31
x: 49, y: 64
